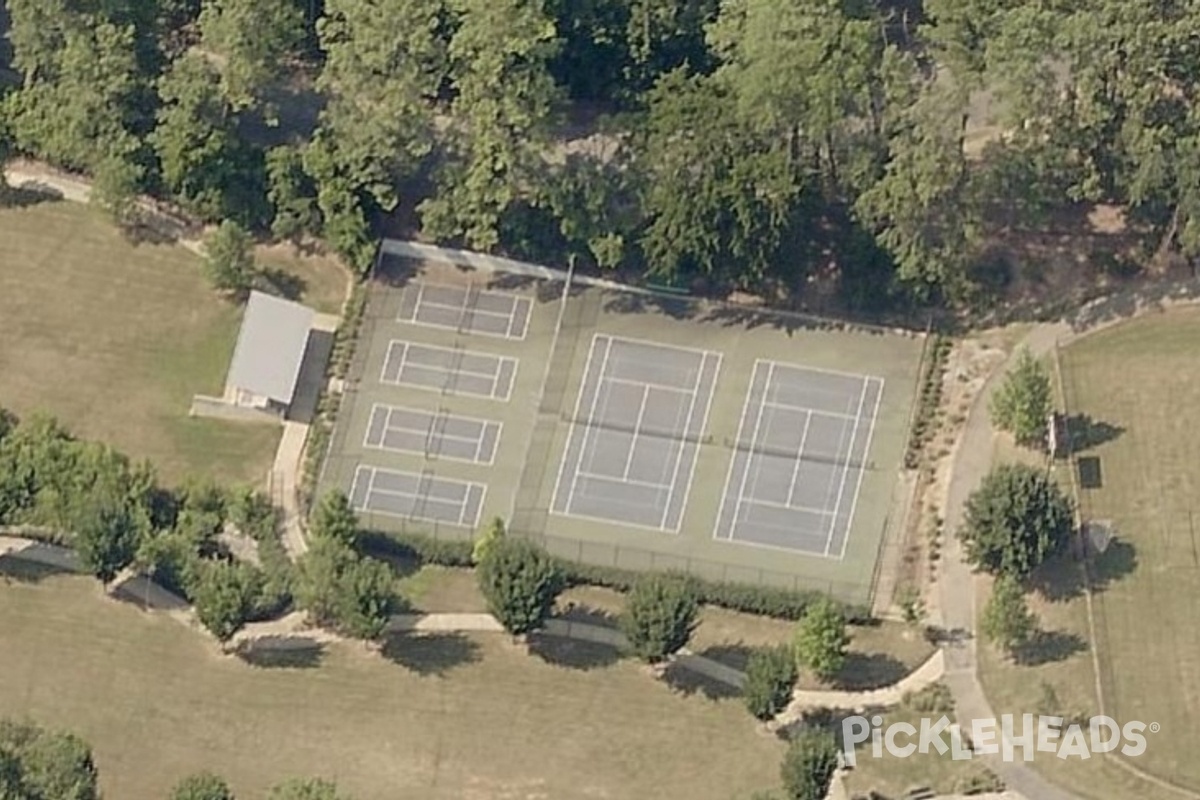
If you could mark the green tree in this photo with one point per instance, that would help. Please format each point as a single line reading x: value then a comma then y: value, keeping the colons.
x: 809, y: 764
x: 107, y: 533
x: 1007, y: 622
x: 1022, y: 404
x: 229, y: 261
x: 82, y: 105
x: 213, y: 172
x: 504, y: 100
x: 202, y: 786
x: 334, y: 518
x: 292, y: 194
x: 718, y: 198
x: 660, y: 615
x: 821, y: 639
x: 116, y: 183
x: 770, y: 677
x: 343, y: 590
x: 520, y: 582
x: 253, y: 41
x: 223, y: 596
x: 52, y: 764
x: 493, y: 532
x: 1015, y: 520
x: 663, y: 35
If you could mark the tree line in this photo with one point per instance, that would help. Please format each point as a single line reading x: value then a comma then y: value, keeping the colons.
x: 748, y: 144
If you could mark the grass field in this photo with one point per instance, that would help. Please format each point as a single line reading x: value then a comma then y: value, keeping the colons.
x: 469, y: 718
x: 1131, y: 389
x: 114, y: 339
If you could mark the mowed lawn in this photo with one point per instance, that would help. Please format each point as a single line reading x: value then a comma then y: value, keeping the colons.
x: 115, y: 338
x: 1139, y: 384
x: 468, y: 718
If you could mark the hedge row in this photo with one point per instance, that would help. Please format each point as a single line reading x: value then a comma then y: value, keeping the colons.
x: 763, y: 600
x: 928, y: 401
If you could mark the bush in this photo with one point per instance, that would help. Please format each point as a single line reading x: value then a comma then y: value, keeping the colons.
x: 821, y: 640
x: 1007, y: 621
x: 809, y: 764
x: 520, y: 582
x: 660, y: 615
x: 224, y: 595
x: 487, y: 538
x: 228, y: 260
x: 202, y: 786
x: 770, y: 678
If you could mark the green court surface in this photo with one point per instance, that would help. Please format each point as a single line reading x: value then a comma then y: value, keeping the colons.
x: 626, y: 429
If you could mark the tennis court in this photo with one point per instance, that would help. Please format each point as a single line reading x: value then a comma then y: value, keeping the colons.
x: 419, y: 496
x: 634, y: 435
x: 468, y: 309
x: 438, y: 434
x: 449, y: 370
x: 799, y: 459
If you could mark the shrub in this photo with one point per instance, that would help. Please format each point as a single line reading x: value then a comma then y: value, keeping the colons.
x: 1007, y: 621
x: 520, y: 582
x: 660, y: 615
x: 491, y: 533
x: 224, y: 595
x: 770, y: 678
x: 809, y: 764
x: 228, y: 260
x: 821, y: 640
x: 202, y: 786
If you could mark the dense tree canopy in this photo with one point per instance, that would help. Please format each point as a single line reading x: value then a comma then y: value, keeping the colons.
x: 752, y: 143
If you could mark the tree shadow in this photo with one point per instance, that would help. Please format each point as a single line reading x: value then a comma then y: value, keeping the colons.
x: 560, y: 651
x: 1047, y: 647
x: 29, y: 193
x: 863, y: 671
x: 588, y: 615
x: 1086, y: 432
x: 827, y: 718
x: 281, y: 652
x: 1058, y: 579
x: 735, y: 656
x: 689, y: 683
x: 431, y: 654
x: 281, y: 283
x: 15, y: 569
x: 1118, y: 561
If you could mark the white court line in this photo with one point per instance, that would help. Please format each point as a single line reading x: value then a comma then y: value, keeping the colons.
x: 737, y: 509
x: 858, y: 483
x: 687, y: 486
x: 637, y: 432
x: 515, y: 300
x: 608, y: 521
x: 358, y: 473
x: 808, y: 409
x: 796, y: 469
x: 820, y: 370
x: 754, y: 501
x: 649, y: 384
x: 837, y: 506
x: 660, y: 345
x: 682, y: 445
x: 587, y: 367
x: 392, y: 346
x: 613, y: 479
x: 733, y: 459
x: 528, y: 316
x: 416, y: 305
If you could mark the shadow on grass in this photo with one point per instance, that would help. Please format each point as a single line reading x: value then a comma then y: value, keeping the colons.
x: 864, y: 671
x: 29, y: 193
x: 1085, y: 432
x: 588, y: 615
x: 431, y: 654
x: 571, y: 653
x: 1062, y: 578
x: 273, y: 280
x: 689, y: 682
x: 736, y: 656
x: 19, y: 570
x: 1047, y: 647
x: 282, y: 653
x: 826, y: 718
